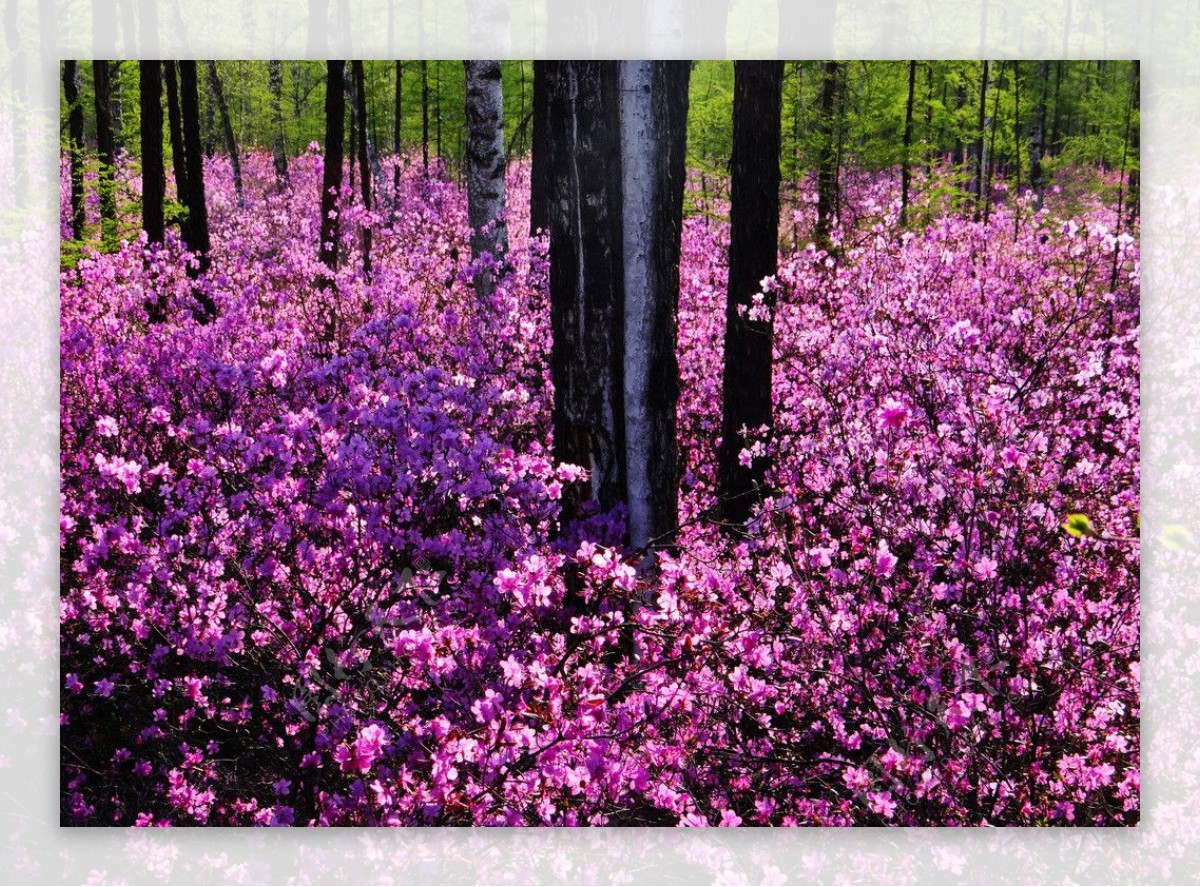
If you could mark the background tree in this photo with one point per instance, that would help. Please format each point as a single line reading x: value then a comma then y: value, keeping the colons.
x: 653, y: 117
x: 397, y: 140
x: 361, y: 148
x: 331, y: 184
x: 197, y: 208
x: 906, y: 167
x: 828, y: 167
x: 279, y: 144
x: 106, y: 150
x: 753, y: 256
x: 485, y: 166
x: 178, y: 154
x: 218, y: 93
x: 70, y: 75
x: 153, y: 172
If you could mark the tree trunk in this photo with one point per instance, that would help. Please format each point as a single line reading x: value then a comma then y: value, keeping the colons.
x: 485, y: 167
x: 364, y: 166
x: 197, y: 208
x: 981, y: 144
x: 827, y: 163
x: 331, y: 185
x: 75, y: 137
x: 425, y: 115
x: 178, y: 154
x: 227, y: 131
x: 905, y: 170
x: 540, y: 177
x: 586, y: 279
x: 1037, y: 139
x: 106, y: 149
x: 653, y: 119
x: 989, y: 157
x: 154, y: 179
x: 278, y: 145
x: 753, y: 255
x: 397, y: 146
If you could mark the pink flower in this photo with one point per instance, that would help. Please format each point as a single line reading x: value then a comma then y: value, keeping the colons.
x: 893, y: 414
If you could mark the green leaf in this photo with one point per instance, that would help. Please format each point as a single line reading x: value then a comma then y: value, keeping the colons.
x: 1079, y: 525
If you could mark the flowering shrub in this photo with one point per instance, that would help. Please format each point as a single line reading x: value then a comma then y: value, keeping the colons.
x: 314, y: 579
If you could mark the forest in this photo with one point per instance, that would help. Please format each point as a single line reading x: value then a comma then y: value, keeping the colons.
x: 600, y: 443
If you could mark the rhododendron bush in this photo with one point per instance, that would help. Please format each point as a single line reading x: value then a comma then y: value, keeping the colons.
x: 313, y: 579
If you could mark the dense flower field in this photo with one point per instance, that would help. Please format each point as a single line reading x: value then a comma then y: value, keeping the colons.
x: 314, y: 581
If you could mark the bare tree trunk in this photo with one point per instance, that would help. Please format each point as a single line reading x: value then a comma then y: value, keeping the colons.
x: 75, y: 137
x: 364, y: 167
x: 586, y: 278
x: 153, y: 173
x: 540, y: 176
x: 106, y: 149
x: 425, y: 115
x: 905, y: 170
x: 827, y: 164
x: 197, y: 208
x: 485, y: 167
x: 1133, y: 201
x: 178, y: 154
x: 397, y: 146
x: 278, y: 145
x: 331, y: 185
x: 227, y: 130
x: 753, y: 255
x: 1037, y: 139
x: 981, y: 144
x: 653, y: 118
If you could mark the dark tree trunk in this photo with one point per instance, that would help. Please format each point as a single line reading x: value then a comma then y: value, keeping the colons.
x: 753, y: 255
x: 540, y: 177
x: 178, y: 154
x: 154, y: 180
x: 485, y: 161
x: 989, y: 157
x: 927, y: 133
x: 425, y: 115
x: 653, y: 117
x: 981, y: 143
x: 586, y: 288
x: 1056, y: 126
x: 397, y: 146
x: 331, y: 185
x: 218, y: 92
x: 197, y: 208
x: 827, y: 164
x: 75, y: 146
x: 364, y: 166
x: 106, y: 149
x: 906, y: 169
x: 278, y: 144
x: 1037, y: 138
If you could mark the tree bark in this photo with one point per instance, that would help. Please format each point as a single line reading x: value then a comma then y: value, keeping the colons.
x: 364, y: 166
x: 1037, y: 139
x: 397, y: 146
x: 178, y: 154
x: 1133, y: 200
x: 906, y: 169
x: 586, y: 278
x: 331, y: 185
x: 197, y: 208
x: 485, y: 167
x: 218, y: 92
x: 981, y: 144
x: 75, y: 137
x: 278, y: 144
x: 540, y: 178
x: 153, y: 173
x: 827, y: 162
x: 425, y: 115
x: 106, y: 149
x: 653, y: 118
x: 753, y: 255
